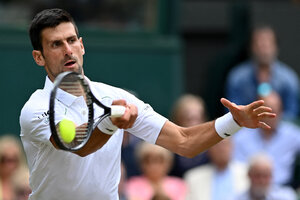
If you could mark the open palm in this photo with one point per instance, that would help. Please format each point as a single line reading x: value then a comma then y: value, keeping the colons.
x: 251, y: 115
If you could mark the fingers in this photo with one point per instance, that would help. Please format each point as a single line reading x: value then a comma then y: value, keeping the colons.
x: 263, y: 125
x: 127, y: 120
x: 265, y: 115
x: 228, y: 104
x: 256, y: 104
x: 132, y: 115
x: 252, y: 115
x: 120, y: 102
x: 262, y: 109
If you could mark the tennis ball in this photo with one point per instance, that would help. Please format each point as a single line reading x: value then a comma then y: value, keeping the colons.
x: 67, y: 130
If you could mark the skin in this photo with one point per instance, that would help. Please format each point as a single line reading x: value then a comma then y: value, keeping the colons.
x: 273, y: 100
x: 220, y: 154
x: 191, y: 141
x: 264, y: 50
x: 8, y: 168
x: 60, y: 47
x: 260, y: 175
x: 63, y: 51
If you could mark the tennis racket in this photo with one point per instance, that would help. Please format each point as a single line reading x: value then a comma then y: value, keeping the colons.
x: 74, y: 85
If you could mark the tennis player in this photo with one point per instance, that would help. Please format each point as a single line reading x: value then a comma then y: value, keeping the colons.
x: 94, y: 171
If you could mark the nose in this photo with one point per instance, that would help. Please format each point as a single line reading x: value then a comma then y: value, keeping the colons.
x: 67, y: 49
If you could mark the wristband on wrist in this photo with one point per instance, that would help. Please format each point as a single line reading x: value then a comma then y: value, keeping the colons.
x: 107, y: 127
x: 226, y: 126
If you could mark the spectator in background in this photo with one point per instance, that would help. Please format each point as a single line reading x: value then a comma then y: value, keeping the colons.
x: 188, y: 110
x: 221, y: 179
x: 11, y: 159
x: 129, y: 144
x: 122, y: 184
x: 264, y: 67
x: 261, y: 188
x: 155, y: 163
x: 281, y: 142
x: 21, y: 183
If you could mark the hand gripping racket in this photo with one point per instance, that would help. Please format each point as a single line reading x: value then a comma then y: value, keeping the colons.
x: 74, y: 84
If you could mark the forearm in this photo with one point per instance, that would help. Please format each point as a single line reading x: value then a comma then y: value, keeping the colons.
x: 96, y: 141
x: 188, y: 142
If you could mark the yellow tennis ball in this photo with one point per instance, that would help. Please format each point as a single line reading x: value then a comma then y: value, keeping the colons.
x: 67, y: 130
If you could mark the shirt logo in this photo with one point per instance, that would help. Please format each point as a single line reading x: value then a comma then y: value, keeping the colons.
x: 45, y: 117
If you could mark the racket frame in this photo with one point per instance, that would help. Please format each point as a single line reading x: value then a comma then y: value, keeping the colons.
x: 89, y: 101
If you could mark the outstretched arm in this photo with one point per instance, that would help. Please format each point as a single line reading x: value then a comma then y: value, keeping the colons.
x: 193, y: 140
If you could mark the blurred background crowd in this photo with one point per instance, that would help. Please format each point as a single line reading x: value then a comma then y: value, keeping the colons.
x: 180, y: 56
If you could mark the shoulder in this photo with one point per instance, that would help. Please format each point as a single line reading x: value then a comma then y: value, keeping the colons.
x: 38, y: 101
x: 36, y: 108
x: 284, y: 67
x: 285, y: 71
x: 242, y: 67
x: 241, y: 72
x: 103, y: 90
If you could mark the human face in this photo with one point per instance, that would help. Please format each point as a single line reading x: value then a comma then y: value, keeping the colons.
x: 155, y: 166
x: 260, y: 176
x: 264, y: 48
x: 62, y: 50
x: 191, y: 114
x: 220, y: 154
x: 9, y: 161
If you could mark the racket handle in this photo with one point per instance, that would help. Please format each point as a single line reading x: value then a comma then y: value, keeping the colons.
x: 117, y: 111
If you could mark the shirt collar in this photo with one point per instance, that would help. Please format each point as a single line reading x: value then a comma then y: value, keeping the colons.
x: 61, y: 95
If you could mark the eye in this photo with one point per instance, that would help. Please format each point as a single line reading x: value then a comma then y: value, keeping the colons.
x: 72, y: 40
x: 56, y: 44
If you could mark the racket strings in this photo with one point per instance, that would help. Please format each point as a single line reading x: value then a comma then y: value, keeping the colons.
x: 72, y: 85
x: 74, y: 88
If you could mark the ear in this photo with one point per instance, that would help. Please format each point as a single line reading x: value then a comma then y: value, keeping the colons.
x: 81, y: 45
x: 38, y: 57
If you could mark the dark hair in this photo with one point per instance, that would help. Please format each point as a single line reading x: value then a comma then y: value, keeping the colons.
x: 48, y: 18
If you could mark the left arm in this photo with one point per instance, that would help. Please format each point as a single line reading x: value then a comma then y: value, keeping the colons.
x: 193, y: 140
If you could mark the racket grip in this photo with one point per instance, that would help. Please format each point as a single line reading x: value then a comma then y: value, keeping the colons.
x: 117, y: 111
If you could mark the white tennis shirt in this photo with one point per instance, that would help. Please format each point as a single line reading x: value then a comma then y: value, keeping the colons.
x: 57, y: 174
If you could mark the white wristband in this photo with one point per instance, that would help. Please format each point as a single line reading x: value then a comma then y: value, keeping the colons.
x: 226, y: 126
x: 107, y: 127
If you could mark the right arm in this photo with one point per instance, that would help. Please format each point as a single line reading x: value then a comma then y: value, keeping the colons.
x: 98, y: 138
x: 96, y: 141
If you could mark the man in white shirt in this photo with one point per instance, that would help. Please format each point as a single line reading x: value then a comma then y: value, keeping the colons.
x: 93, y: 172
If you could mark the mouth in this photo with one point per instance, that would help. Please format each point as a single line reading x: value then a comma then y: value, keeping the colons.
x: 70, y: 64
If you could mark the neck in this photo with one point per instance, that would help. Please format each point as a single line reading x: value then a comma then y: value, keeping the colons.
x: 264, y: 73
